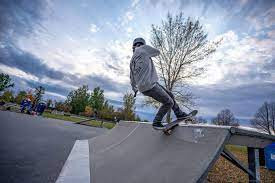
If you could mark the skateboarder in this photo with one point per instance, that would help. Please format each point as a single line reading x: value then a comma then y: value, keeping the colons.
x: 144, y: 78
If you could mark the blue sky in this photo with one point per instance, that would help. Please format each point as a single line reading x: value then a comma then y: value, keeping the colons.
x: 65, y: 44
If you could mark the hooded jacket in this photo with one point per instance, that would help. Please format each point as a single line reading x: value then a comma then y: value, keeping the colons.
x: 143, y: 73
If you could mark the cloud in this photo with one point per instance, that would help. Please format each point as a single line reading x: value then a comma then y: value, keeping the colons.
x: 135, y: 3
x: 94, y: 28
x: 242, y: 100
x: 103, y: 82
x: 243, y: 2
x: 129, y: 29
x: 84, y: 5
x: 271, y: 34
x: 270, y: 66
x: 129, y: 16
x: 57, y: 89
x: 34, y: 72
x: 126, y: 18
x: 118, y: 55
x: 17, y: 58
x: 240, y: 60
x: 262, y: 19
x: 243, y: 16
x: 112, y: 67
x: 18, y: 18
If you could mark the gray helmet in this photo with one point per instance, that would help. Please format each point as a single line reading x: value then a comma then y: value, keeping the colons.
x: 139, y: 40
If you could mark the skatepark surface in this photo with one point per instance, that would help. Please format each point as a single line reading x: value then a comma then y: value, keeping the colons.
x: 142, y: 154
x: 34, y: 149
x: 135, y: 152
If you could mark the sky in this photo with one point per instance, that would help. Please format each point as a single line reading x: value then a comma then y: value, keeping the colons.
x: 63, y: 44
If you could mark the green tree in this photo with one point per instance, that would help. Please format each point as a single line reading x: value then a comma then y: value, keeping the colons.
x: 183, y: 44
x: 97, y: 99
x: 62, y: 106
x: 107, y: 112
x: 128, y: 107
x: 78, y: 99
x: 110, y: 108
x: 7, y: 96
x: 5, y: 82
x: 20, y: 96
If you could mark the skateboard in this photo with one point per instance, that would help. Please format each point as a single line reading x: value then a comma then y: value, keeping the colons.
x: 170, y: 126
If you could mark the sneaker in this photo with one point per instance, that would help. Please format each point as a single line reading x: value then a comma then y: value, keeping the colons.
x: 158, y: 126
x: 182, y: 116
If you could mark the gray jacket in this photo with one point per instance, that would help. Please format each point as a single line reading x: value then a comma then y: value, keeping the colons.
x: 143, y: 73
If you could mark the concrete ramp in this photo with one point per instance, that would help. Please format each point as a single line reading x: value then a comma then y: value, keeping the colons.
x: 134, y: 152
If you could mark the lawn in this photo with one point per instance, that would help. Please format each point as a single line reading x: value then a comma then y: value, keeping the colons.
x: 93, y: 123
x: 61, y: 117
x: 224, y: 171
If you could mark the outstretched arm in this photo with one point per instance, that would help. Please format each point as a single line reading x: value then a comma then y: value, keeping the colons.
x: 150, y: 51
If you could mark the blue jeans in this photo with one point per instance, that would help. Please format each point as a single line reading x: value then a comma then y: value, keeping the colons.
x: 162, y: 95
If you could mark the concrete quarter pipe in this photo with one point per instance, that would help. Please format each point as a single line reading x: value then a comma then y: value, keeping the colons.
x: 134, y: 152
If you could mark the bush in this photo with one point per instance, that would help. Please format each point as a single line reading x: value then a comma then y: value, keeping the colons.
x: 88, y: 111
x: 107, y: 116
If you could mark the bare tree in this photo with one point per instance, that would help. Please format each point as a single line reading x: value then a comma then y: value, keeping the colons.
x: 38, y: 93
x: 182, y: 44
x: 226, y: 118
x: 265, y: 118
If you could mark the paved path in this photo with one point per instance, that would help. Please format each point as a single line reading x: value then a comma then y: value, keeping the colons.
x: 34, y: 149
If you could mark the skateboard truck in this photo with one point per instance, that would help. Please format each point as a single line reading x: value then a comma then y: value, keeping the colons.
x: 170, y: 126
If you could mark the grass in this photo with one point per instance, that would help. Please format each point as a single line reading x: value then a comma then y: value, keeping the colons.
x: 61, y: 117
x: 95, y: 123
x: 235, y: 148
x: 92, y: 123
x: 224, y: 171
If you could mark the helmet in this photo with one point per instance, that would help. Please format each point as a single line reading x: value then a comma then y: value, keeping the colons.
x: 139, y: 40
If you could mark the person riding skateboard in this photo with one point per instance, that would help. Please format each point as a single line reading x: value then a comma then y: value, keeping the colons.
x: 144, y: 79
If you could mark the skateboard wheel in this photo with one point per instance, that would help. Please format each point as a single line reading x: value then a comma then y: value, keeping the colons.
x: 169, y: 132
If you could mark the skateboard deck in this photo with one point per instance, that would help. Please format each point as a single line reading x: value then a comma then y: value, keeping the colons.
x: 170, y: 126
